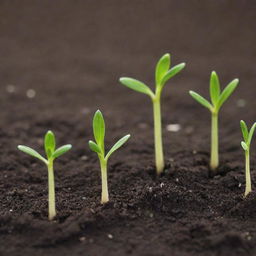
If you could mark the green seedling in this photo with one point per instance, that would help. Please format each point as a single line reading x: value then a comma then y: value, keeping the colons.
x: 99, y: 148
x: 52, y: 154
x: 247, y: 135
x: 162, y: 74
x: 217, y: 100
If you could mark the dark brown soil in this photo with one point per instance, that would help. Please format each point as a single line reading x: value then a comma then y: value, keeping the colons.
x: 71, y: 53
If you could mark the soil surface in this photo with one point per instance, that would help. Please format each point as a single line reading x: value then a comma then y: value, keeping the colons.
x: 60, y: 62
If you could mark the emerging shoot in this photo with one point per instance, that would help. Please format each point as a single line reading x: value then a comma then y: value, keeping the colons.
x: 99, y: 148
x: 217, y: 99
x: 162, y: 74
x: 247, y: 135
x: 52, y: 154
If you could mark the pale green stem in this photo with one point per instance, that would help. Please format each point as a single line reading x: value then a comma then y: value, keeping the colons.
x: 248, y: 185
x: 51, y: 191
x: 104, y: 181
x: 214, y: 143
x: 159, y: 156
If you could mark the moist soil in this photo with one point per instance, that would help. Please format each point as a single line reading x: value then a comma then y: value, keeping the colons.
x: 60, y: 63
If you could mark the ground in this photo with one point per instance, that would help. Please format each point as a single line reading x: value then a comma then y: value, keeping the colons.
x: 60, y: 62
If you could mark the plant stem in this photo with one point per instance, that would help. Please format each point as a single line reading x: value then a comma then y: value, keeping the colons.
x: 159, y: 156
x: 214, y: 143
x: 51, y: 191
x: 104, y: 181
x: 248, y: 185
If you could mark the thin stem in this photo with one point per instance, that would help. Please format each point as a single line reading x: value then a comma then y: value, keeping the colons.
x: 159, y: 155
x: 104, y: 181
x: 51, y: 191
x: 214, y: 143
x: 248, y: 185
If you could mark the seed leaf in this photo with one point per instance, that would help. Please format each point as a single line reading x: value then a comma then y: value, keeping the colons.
x: 244, y: 146
x: 117, y: 145
x: 172, y: 72
x: 94, y: 147
x: 244, y: 130
x: 227, y: 92
x: 201, y: 100
x: 214, y: 88
x: 49, y: 143
x: 31, y: 152
x: 136, y: 85
x: 251, y: 134
x: 61, y: 150
x: 162, y: 67
x: 99, y: 128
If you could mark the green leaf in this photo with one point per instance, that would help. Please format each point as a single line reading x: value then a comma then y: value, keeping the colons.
x: 94, y: 147
x: 117, y: 145
x: 172, y: 72
x: 244, y: 146
x: 99, y: 128
x: 201, y: 100
x: 227, y: 92
x: 214, y: 88
x: 61, y: 150
x: 251, y: 134
x: 31, y: 152
x: 244, y: 130
x: 136, y: 85
x: 49, y: 143
x: 162, y: 67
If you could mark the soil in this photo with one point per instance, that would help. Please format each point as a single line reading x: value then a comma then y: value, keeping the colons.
x: 60, y: 62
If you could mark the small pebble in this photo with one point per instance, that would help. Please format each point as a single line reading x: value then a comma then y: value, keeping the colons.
x: 239, y: 185
x: 241, y: 103
x: 10, y: 88
x: 82, y: 239
x: 31, y: 93
x: 194, y: 152
x: 151, y: 215
x: 173, y: 127
x: 84, y: 158
x: 150, y: 189
x: 177, y: 180
x: 161, y: 185
x: 83, y: 197
x: 11, y: 210
x: 110, y: 236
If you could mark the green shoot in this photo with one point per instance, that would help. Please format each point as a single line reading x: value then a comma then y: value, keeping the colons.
x: 52, y: 154
x: 247, y: 135
x: 217, y: 100
x: 99, y: 148
x: 162, y: 74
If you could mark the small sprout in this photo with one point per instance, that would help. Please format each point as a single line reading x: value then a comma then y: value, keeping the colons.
x: 99, y: 148
x: 217, y: 99
x: 247, y: 135
x: 162, y: 74
x: 52, y: 153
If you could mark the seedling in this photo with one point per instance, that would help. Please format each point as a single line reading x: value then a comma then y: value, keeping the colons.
x: 247, y: 135
x: 217, y: 100
x: 99, y: 148
x: 52, y: 154
x: 162, y: 74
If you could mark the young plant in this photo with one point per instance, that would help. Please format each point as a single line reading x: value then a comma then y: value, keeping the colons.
x: 99, y: 148
x: 217, y: 99
x: 247, y: 135
x: 52, y: 154
x: 162, y: 74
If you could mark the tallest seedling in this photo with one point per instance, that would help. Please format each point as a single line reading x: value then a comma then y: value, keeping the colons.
x: 217, y: 99
x: 162, y: 74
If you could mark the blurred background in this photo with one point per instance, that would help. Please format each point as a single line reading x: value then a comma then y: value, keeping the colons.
x: 61, y: 60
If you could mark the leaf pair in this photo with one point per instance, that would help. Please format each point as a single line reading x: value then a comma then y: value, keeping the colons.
x: 217, y: 97
x: 99, y: 135
x: 49, y: 146
x: 247, y: 135
x: 162, y: 75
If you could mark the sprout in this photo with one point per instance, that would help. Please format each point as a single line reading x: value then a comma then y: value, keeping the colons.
x: 217, y: 99
x: 247, y: 135
x: 99, y: 148
x: 162, y: 74
x: 52, y: 154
